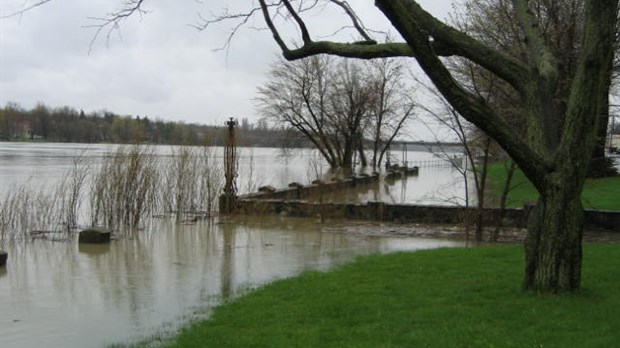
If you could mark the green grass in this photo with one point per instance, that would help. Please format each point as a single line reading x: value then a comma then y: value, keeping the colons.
x: 436, y: 298
x: 603, y: 193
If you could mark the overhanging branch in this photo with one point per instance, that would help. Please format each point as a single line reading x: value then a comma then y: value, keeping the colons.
x: 305, y: 36
x: 461, y: 44
x: 410, y: 25
x: 272, y: 27
x: 354, y: 19
x: 539, y: 52
x: 112, y: 21
x: 361, y: 50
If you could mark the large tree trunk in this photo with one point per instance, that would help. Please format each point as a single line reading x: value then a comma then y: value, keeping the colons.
x: 553, y: 241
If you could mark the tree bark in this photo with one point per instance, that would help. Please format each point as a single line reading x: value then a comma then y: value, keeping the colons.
x: 553, y: 243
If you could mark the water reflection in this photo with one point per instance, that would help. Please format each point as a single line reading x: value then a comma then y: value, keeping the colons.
x: 61, y: 293
x: 45, y: 165
x: 70, y: 295
x: 94, y: 249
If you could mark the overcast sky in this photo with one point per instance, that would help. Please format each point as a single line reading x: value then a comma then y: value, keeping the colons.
x: 156, y: 65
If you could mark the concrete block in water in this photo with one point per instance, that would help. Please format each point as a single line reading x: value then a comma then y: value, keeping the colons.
x: 267, y: 189
x: 95, y: 235
x: 412, y: 170
x: 3, y: 257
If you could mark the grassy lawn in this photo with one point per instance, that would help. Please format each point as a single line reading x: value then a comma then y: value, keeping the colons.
x: 601, y: 193
x: 435, y: 298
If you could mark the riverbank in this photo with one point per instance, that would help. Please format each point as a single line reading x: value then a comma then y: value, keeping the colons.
x: 437, y: 298
x: 448, y: 232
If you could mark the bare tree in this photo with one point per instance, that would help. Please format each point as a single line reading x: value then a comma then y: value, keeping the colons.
x: 338, y: 104
x: 392, y: 105
x: 297, y: 95
x: 349, y: 105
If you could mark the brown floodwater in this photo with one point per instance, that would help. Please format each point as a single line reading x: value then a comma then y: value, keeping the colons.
x: 43, y: 165
x: 65, y: 294
x: 55, y: 292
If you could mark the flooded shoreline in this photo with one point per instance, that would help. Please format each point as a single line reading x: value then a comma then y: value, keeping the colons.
x: 42, y: 164
x: 67, y: 294
x: 57, y: 292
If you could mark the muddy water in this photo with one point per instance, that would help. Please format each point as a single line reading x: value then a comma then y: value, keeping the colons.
x: 62, y: 294
x: 43, y: 165
x: 57, y: 293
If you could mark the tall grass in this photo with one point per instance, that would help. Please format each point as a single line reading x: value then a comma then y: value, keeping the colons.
x: 125, y: 188
x: 252, y: 183
x: 211, y: 179
x: 20, y: 211
x: 130, y: 185
x: 47, y: 210
x: 192, y: 181
x: 73, y: 187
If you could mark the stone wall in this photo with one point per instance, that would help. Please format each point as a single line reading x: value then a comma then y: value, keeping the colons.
x: 607, y: 219
x: 296, y: 200
x: 298, y: 191
x: 402, y: 213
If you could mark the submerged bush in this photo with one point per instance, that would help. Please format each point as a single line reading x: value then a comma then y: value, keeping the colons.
x: 124, y: 189
x: 47, y: 210
x: 130, y: 185
x: 192, y: 181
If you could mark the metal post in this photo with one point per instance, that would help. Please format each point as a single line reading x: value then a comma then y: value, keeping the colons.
x: 227, y: 200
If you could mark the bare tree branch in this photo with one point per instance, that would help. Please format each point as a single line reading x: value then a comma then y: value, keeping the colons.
x: 470, y: 106
x: 111, y: 21
x: 272, y: 27
x: 356, y: 21
x: 302, y: 26
x: 26, y: 8
x: 241, y: 19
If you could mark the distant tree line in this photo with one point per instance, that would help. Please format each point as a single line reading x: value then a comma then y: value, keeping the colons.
x: 67, y: 124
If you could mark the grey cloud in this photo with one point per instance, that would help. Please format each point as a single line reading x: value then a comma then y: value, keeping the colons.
x: 156, y: 65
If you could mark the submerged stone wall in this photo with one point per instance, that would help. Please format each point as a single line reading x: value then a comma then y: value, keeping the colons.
x: 405, y: 213
x: 607, y: 219
x: 375, y: 211
x: 294, y: 201
x: 299, y: 191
